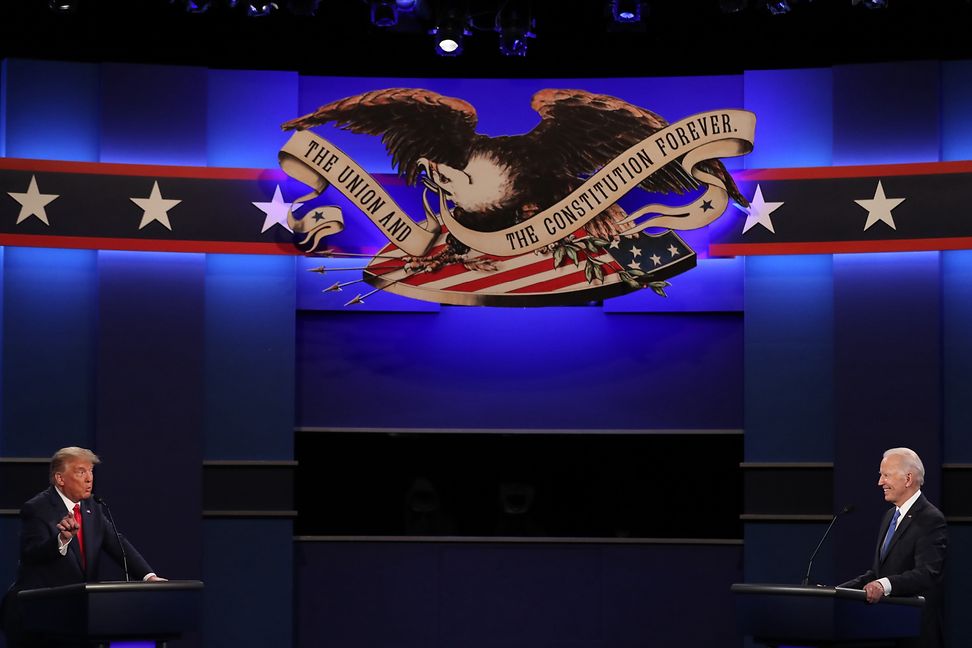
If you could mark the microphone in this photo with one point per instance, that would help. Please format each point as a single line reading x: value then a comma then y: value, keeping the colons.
x: 114, y: 527
x: 847, y: 509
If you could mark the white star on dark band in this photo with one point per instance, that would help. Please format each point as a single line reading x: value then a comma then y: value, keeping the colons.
x: 759, y: 212
x: 155, y: 207
x: 275, y: 211
x: 879, y: 208
x: 32, y: 202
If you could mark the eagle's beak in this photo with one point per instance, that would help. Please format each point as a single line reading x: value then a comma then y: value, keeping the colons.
x: 427, y: 166
x: 430, y: 178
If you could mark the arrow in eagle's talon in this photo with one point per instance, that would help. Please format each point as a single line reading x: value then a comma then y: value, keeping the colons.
x: 323, y: 270
x: 356, y: 255
x: 357, y: 300
x: 338, y: 285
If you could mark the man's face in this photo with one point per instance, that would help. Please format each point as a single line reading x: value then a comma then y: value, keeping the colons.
x: 77, y: 480
x: 898, y: 484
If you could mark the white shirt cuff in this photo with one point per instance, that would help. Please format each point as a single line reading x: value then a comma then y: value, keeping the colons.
x: 886, y: 584
x: 62, y: 548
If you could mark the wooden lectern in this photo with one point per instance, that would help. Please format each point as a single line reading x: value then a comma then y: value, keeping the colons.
x: 93, y: 614
x: 809, y: 615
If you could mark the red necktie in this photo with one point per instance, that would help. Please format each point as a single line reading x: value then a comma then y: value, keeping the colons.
x: 77, y: 518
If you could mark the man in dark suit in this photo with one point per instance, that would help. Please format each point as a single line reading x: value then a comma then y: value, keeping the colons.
x: 63, y: 537
x: 909, y: 559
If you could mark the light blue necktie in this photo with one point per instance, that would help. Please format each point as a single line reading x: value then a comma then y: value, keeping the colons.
x: 891, y: 527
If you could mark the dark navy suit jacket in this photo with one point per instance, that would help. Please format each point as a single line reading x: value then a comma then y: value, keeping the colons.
x: 42, y: 565
x: 914, y: 564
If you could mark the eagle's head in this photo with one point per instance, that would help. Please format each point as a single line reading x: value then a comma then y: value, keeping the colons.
x: 483, y: 191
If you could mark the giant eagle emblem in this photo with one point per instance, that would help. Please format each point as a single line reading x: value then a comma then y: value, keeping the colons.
x: 533, y: 218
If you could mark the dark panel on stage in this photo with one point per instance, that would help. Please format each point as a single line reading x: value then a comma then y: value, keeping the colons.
x: 491, y: 595
x: 957, y: 490
x: 782, y: 489
x: 558, y: 484
x: 248, y: 486
x: 21, y: 479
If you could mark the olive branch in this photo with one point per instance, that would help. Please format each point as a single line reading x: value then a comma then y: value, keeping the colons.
x: 571, y: 248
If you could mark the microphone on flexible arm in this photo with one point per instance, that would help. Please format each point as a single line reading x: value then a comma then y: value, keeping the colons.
x: 847, y: 509
x: 114, y: 527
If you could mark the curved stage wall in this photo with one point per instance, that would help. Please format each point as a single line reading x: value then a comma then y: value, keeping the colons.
x: 191, y: 373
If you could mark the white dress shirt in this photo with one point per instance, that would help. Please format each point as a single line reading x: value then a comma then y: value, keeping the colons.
x: 902, y: 511
x: 63, y: 546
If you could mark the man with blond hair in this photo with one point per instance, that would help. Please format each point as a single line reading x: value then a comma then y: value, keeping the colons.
x: 909, y: 559
x: 64, y: 535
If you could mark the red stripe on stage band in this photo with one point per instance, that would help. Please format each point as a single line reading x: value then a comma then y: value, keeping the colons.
x: 178, y: 171
x: 146, y: 245
x: 866, y: 171
x: 150, y: 170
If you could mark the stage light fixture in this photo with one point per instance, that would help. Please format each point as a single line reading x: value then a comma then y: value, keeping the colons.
x: 626, y: 11
x: 197, y: 6
x: 63, y: 6
x: 449, y: 33
x: 514, y: 25
x: 259, y: 9
x: 384, y: 13
x: 871, y: 4
x: 732, y: 6
x: 778, y: 7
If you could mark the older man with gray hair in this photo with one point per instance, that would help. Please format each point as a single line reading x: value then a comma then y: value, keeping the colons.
x: 909, y: 559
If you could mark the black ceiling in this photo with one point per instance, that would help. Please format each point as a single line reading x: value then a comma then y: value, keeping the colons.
x: 573, y: 39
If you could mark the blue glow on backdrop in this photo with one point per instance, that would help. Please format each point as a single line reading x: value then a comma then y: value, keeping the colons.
x: 789, y: 353
x: 957, y: 309
x: 153, y: 114
x: 52, y: 110
x: 243, y: 115
x: 893, y: 261
x: 3, y: 106
x: 119, y: 259
x: 866, y: 128
x: 794, y: 118
x: 957, y: 110
x: 248, y: 344
x: 520, y: 368
x: 44, y: 268
x: 50, y: 342
x: 801, y: 274
x: 503, y: 105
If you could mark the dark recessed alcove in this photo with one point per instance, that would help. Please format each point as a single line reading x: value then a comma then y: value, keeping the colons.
x: 596, y: 485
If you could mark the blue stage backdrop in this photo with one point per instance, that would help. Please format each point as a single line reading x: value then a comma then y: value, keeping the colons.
x: 162, y: 362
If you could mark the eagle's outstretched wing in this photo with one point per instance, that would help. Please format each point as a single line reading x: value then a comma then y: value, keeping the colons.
x: 581, y: 132
x: 413, y: 123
